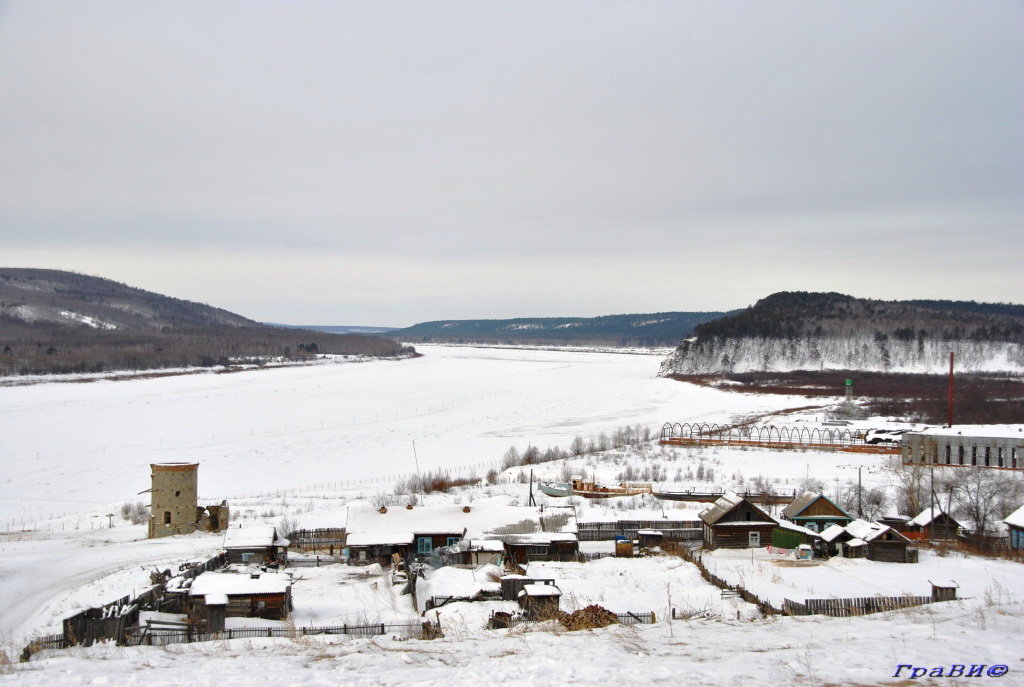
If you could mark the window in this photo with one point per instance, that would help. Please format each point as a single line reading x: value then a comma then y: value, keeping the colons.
x: 949, y: 454
x: 988, y: 456
x: 167, y: 517
x: 178, y: 492
x: 999, y: 451
x: 960, y: 450
x: 452, y: 541
x: 424, y: 544
x: 974, y: 455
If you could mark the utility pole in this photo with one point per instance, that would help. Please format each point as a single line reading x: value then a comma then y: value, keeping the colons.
x: 860, y: 495
x: 949, y: 394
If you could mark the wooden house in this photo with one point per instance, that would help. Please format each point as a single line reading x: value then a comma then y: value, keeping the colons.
x: 215, y: 596
x: 539, y: 601
x: 733, y: 522
x: 815, y: 512
x: 521, y: 549
x: 1015, y: 523
x: 871, y: 540
x: 931, y: 523
x: 255, y: 545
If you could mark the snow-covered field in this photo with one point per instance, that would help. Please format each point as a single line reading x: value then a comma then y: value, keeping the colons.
x: 84, y: 448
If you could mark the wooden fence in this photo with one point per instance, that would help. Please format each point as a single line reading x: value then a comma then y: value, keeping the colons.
x: 112, y: 620
x: 163, y: 637
x: 678, y: 530
x: 741, y: 591
x: 843, y: 608
x: 330, y: 539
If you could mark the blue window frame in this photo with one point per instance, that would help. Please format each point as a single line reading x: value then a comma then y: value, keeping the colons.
x: 424, y: 544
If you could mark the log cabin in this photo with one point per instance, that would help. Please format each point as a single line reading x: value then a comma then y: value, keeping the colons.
x: 733, y: 522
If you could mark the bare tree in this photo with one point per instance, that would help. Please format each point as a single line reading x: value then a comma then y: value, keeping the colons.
x: 911, y: 485
x: 872, y: 500
x: 984, y: 495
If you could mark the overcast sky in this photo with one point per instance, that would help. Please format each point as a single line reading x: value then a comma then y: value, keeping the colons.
x: 386, y: 163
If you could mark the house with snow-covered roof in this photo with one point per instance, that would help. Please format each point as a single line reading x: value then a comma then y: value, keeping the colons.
x: 932, y: 523
x: 1015, y: 523
x: 215, y: 596
x: 815, y: 511
x: 871, y: 540
x: 733, y: 522
x: 257, y: 545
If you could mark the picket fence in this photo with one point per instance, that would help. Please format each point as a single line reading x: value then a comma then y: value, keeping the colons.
x: 844, y: 608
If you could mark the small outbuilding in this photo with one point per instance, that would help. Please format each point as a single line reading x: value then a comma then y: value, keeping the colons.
x: 539, y: 601
x: 733, y: 522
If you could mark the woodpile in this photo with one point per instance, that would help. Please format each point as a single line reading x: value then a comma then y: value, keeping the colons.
x: 588, y: 618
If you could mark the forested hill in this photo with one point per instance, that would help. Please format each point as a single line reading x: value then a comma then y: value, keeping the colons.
x: 799, y: 330
x: 54, y: 322
x: 652, y: 329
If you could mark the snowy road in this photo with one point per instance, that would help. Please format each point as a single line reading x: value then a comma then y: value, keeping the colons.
x: 41, y: 578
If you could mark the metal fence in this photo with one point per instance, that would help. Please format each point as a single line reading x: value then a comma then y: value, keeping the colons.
x: 769, y: 436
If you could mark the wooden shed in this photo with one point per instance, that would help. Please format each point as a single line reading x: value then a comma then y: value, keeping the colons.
x: 815, y: 512
x: 733, y: 522
x: 539, y: 601
x: 214, y: 596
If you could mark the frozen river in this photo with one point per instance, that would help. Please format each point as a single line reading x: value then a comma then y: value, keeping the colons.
x: 80, y: 447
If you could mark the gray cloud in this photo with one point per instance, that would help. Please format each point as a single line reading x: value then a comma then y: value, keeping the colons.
x: 457, y: 135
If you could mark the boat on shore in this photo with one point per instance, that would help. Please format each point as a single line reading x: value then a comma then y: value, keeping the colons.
x: 591, y: 490
x: 711, y: 497
x: 556, y: 488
